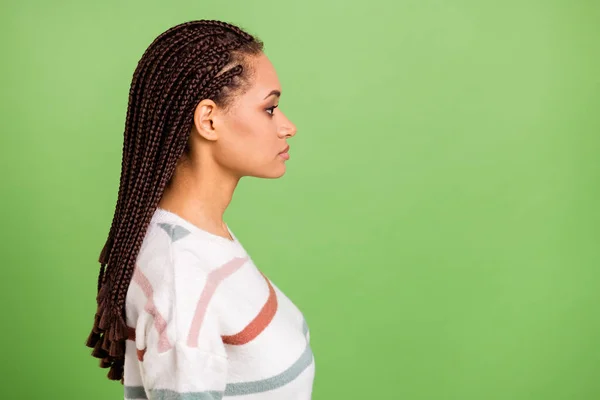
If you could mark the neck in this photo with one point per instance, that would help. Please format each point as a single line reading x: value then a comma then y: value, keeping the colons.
x: 200, y: 194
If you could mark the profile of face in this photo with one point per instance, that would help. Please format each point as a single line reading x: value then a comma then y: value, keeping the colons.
x: 250, y: 138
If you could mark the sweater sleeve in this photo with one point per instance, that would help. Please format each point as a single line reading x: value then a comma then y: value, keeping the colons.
x: 183, y: 353
x: 184, y: 372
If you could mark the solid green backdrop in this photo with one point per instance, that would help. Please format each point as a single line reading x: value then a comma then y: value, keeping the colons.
x: 438, y: 224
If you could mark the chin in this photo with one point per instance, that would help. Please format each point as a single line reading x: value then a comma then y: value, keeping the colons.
x: 273, y: 173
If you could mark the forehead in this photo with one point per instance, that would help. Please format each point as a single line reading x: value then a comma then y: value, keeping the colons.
x: 265, y: 77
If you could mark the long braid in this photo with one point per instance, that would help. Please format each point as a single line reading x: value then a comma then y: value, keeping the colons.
x: 146, y: 181
x: 131, y: 119
x: 148, y: 99
x: 169, y: 50
x: 183, y: 65
x: 138, y: 80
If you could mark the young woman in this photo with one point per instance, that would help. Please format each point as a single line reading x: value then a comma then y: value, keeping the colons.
x: 183, y: 312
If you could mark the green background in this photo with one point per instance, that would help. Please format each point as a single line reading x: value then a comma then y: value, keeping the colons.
x: 438, y: 224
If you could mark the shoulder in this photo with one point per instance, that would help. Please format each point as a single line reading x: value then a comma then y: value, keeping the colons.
x: 169, y: 244
x: 172, y: 291
x: 169, y: 252
x: 175, y: 265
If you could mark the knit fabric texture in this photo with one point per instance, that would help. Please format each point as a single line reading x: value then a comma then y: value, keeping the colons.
x: 205, y: 323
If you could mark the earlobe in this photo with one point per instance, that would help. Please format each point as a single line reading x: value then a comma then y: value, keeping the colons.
x: 204, y: 115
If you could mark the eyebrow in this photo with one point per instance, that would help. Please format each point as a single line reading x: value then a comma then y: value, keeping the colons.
x: 274, y: 92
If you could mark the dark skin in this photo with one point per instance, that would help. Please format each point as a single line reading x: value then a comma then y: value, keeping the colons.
x: 246, y: 140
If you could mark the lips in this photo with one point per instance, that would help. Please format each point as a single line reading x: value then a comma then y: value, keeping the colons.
x: 284, y: 154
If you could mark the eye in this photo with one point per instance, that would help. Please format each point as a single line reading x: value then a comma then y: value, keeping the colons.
x: 272, y: 109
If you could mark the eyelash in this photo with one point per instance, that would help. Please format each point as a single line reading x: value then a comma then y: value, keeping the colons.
x: 272, y: 108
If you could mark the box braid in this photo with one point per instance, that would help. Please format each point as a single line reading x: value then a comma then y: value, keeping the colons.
x: 187, y: 63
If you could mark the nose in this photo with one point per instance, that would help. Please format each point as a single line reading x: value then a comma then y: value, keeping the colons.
x: 287, y: 128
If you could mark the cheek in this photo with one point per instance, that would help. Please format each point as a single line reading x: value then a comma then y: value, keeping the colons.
x: 249, y: 144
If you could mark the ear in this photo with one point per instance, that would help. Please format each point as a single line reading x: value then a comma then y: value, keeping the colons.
x: 205, y: 115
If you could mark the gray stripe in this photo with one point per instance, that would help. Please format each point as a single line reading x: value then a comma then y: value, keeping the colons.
x: 304, y: 327
x: 232, y: 389
x: 135, y: 392
x: 165, y: 394
x: 235, y: 389
x: 176, y: 232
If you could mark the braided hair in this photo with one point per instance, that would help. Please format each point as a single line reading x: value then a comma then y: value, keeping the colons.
x: 185, y: 64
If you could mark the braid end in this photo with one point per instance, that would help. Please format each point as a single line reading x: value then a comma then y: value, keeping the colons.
x: 107, y: 339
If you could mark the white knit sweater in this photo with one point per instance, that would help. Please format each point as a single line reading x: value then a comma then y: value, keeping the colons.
x: 205, y: 323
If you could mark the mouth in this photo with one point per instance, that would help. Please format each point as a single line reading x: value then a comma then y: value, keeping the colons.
x: 287, y: 148
x: 284, y: 153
